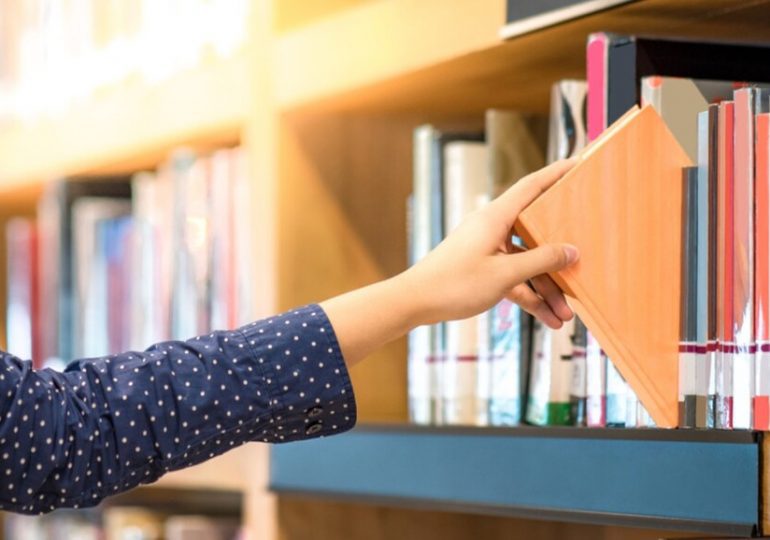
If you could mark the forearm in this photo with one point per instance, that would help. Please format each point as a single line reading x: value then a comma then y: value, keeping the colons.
x: 109, y: 424
x: 366, y: 319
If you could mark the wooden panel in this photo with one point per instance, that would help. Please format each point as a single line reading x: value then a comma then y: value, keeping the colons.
x: 378, y: 41
x: 477, y: 71
x: 343, y: 188
x: 299, y: 519
x: 291, y: 14
x: 130, y: 128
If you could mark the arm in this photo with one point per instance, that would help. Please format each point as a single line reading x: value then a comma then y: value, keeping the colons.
x: 468, y: 273
x: 109, y: 424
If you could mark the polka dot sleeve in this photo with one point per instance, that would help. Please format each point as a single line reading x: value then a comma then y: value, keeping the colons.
x: 109, y: 424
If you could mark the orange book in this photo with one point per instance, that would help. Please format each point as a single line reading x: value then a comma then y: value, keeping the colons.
x: 762, y: 272
x: 621, y: 205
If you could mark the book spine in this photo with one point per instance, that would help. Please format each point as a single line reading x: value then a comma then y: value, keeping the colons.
x: 578, y: 387
x: 743, y: 259
x: 617, y: 389
x: 761, y: 409
x: 540, y: 375
x: 596, y: 384
x: 708, y: 159
x: 724, y: 365
x: 688, y: 348
x: 559, y: 402
x: 596, y: 68
x: 509, y: 326
x: 20, y: 278
x: 622, y: 86
x: 423, y: 387
x: 465, y: 189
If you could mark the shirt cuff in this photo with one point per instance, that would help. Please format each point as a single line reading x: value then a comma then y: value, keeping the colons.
x: 308, y: 384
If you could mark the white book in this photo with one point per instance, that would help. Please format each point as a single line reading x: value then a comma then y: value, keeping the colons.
x: 423, y: 368
x: 466, y: 187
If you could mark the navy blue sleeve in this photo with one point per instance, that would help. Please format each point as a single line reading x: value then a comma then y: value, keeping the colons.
x: 108, y: 424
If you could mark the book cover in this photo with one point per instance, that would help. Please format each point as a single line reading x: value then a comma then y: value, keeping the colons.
x: 628, y: 255
x: 679, y: 100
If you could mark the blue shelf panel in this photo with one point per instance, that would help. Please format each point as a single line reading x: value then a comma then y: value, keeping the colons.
x: 675, y: 480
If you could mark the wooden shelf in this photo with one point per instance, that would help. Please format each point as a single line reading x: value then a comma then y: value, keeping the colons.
x: 700, y: 481
x: 131, y: 128
x: 431, y: 62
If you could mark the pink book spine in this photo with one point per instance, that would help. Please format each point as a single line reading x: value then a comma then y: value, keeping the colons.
x: 743, y: 258
x: 596, y: 68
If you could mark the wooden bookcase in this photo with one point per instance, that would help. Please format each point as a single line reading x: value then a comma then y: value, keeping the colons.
x: 324, y: 98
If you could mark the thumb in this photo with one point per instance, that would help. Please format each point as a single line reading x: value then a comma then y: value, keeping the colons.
x: 540, y: 260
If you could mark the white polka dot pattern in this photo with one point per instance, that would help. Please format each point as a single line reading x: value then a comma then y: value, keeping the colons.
x: 109, y: 424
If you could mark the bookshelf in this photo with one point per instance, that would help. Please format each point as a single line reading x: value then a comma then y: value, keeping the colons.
x: 674, y: 480
x: 324, y: 97
x: 344, y: 169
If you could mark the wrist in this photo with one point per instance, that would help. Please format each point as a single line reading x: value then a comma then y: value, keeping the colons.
x: 416, y: 305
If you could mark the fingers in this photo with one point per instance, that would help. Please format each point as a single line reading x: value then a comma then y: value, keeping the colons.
x: 521, y: 267
x: 534, y: 305
x: 553, y: 296
x: 526, y: 190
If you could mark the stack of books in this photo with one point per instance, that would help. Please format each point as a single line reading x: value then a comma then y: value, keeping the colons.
x: 696, y: 355
x: 119, y: 263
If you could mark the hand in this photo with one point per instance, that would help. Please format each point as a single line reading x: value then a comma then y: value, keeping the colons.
x: 477, y: 265
x: 468, y: 273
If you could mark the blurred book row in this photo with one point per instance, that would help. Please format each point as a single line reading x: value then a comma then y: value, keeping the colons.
x: 503, y: 367
x: 118, y: 263
x: 80, y: 47
x: 121, y: 523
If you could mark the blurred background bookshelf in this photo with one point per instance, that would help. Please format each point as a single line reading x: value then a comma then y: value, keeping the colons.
x: 322, y: 98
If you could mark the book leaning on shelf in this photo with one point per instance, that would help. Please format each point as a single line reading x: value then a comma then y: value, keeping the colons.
x: 126, y: 262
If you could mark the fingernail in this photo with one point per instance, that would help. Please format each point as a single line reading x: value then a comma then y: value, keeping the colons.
x: 571, y: 252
